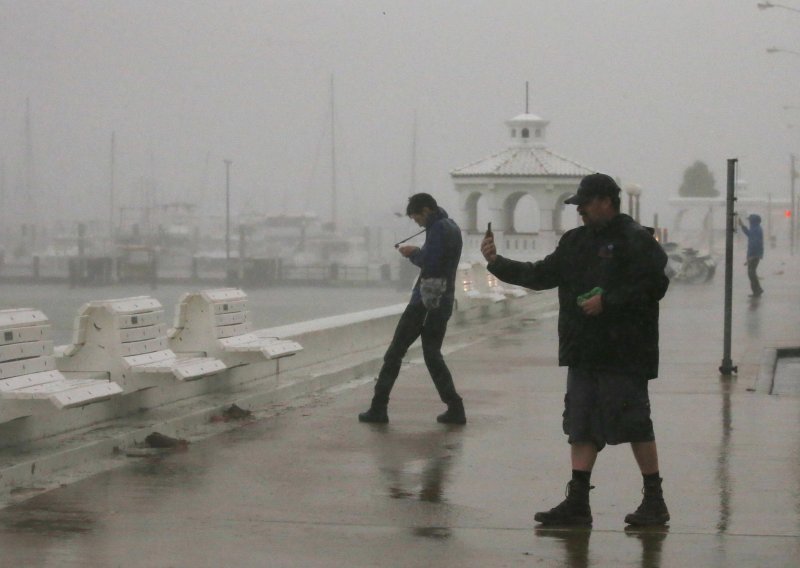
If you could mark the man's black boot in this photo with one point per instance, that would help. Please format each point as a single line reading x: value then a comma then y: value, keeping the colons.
x: 454, y: 414
x: 574, y: 510
x: 653, y: 510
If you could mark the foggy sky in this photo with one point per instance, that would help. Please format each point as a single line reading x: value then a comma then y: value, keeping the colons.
x: 638, y: 89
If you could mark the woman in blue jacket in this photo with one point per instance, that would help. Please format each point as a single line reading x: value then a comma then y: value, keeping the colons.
x: 755, y: 252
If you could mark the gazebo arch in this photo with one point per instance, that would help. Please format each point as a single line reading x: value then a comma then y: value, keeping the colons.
x: 471, y: 211
x: 526, y: 201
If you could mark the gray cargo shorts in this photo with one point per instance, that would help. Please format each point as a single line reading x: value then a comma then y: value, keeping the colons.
x: 606, y: 407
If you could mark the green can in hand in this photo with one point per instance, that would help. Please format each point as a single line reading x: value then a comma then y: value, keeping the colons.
x: 593, y: 292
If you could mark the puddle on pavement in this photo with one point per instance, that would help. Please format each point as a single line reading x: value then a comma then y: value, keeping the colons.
x: 436, y: 533
x: 48, y: 522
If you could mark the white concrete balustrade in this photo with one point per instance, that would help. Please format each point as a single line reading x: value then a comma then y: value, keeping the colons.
x: 28, y: 373
x: 217, y: 324
x: 488, y: 284
x: 123, y: 360
x: 128, y: 339
x: 473, y: 292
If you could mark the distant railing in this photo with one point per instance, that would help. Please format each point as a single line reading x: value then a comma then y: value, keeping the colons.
x: 86, y: 271
x: 335, y: 273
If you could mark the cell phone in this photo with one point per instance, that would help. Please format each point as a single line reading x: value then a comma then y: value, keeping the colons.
x: 489, y: 232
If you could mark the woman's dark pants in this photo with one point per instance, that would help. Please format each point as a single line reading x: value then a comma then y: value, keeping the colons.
x: 431, y: 325
x: 752, y: 267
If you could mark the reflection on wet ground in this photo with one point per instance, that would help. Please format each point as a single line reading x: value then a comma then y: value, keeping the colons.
x: 423, y: 475
x: 90, y: 506
x: 48, y: 520
x: 652, y: 540
x: 723, y: 458
x: 753, y: 317
x: 574, y: 541
x: 417, y: 466
x: 436, y: 533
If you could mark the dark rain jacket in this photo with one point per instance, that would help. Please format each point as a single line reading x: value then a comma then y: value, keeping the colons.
x: 625, y: 261
x: 755, y: 237
x: 439, y: 256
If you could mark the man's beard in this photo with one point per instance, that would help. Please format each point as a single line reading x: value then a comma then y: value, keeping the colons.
x: 597, y: 225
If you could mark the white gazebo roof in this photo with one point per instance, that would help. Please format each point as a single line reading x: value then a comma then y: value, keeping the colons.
x: 524, y: 161
x: 528, y: 117
x: 527, y: 156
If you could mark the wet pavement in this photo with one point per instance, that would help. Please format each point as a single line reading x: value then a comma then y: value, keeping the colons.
x: 310, y: 486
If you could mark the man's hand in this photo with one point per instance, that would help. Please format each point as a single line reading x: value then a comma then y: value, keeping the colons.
x: 488, y: 250
x: 593, y: 306
x: 407, y: 250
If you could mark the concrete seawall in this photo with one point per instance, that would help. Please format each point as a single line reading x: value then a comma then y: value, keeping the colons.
x: 48, y: 448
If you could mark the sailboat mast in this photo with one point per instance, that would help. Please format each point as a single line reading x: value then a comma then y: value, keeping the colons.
x: 30, y: 214
x: 111, y: 191
x: 333, y: 162
x: 526, y: 98
x: 2, y: 196
x: 413, y: 187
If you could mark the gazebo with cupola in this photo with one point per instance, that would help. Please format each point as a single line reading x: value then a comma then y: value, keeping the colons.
x: 526, y: 173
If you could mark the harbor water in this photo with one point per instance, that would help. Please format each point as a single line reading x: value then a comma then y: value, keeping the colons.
x: 269, y: 307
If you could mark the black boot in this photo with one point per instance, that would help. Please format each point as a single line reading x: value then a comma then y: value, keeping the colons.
x: 454, y: 413
x: 653, y: 510
x: 377, y: 413
x: 574, y: 510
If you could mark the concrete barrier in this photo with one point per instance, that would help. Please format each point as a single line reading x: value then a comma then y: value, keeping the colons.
x: 127, y: 338
x: 217, y: 324
x: 28, y: 374
x: 335, y: 349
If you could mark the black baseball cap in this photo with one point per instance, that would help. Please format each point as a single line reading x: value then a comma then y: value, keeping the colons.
x: 594, y: 185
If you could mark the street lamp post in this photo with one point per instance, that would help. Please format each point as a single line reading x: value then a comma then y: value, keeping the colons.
x: 792, y: 208
x: 634, y: 191
x: 769, y: 220
x: 727, y: 367
x: 228, y: 219
x: 793, y: 172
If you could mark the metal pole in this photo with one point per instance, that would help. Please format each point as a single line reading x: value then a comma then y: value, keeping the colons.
x: 727, y: 367
x: 227, y: 218
x: 334, y: 204
x: 792, y: 208
x: 2, y: 198
x: 769, y: 219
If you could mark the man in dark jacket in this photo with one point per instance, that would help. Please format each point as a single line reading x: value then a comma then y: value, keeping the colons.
x: 610, y: 277
x: 428, y: 311
x: 755, y: 252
